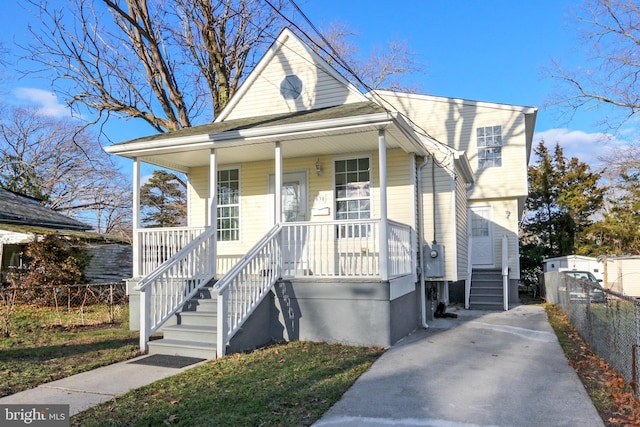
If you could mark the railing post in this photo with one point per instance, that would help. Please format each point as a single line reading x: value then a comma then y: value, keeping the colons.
x: 145, y: 318
x: 223, y: 326
x: 467, y: 282
x: 505, y: 271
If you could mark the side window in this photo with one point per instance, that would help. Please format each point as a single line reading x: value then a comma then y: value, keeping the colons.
x: 229, y: 205
x: 489, y: 141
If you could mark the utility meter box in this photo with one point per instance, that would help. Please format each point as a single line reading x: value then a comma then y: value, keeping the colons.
x: 433, y: 261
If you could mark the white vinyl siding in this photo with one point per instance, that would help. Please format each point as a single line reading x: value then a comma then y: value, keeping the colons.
x: 446, y: 230
x: 462, y: 244
x: 198, y: 196
x: 319, y: 88
x: 455, y: 122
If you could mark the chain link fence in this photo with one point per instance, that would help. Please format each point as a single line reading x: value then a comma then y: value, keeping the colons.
x: 68, y: 305
x: 608, y: 321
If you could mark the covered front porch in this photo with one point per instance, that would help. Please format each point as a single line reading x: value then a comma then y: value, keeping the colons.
x: 294, y: 201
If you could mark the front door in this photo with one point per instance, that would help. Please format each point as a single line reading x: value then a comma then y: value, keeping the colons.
x: 294, y: 209
x: 481, y: 237
x: 294, y: 196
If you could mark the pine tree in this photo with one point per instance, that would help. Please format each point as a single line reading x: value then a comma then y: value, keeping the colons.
x: 564, y: 196
x: 163, y: 200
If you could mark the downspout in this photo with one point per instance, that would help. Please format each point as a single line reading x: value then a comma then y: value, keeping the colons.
x: 423, y: 296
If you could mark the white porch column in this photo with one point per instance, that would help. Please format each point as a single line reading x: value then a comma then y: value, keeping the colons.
x: 136, y: 217
x: 213, y: 206
x: 384, y: 233
x: 278, y: 184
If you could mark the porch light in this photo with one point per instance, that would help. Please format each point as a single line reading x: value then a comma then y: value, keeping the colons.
x: 318, y: 167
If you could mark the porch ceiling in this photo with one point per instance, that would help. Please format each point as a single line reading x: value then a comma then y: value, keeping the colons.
x: 320, y: 134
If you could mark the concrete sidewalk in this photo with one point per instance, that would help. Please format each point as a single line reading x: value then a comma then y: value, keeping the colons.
x: 481, y: 369
x: 82, y: 391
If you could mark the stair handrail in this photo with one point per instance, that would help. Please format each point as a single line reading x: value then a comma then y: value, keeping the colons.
x: 180, y: 277
x: 258, y: 270
x: 505, y: 271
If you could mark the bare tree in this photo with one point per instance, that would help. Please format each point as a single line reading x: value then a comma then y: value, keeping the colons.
x: 610, y: 30
x: 383, y: 68
x: 143, y: 59
x: 63, y: 165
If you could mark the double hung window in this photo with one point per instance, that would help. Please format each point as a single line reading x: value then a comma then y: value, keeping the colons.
x: 229, y: 205
x: 489, y: 140
x: 353, y: 194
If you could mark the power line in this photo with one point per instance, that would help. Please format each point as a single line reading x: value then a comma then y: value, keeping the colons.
x: 335, y: 56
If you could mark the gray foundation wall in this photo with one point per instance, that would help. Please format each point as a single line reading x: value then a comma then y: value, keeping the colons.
x: 354, y: 313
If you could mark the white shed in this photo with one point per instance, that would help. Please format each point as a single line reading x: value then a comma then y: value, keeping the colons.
x: 575, y: 262
x: 622, y: 274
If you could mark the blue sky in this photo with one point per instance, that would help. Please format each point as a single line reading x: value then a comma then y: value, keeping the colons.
x: 486, y: 50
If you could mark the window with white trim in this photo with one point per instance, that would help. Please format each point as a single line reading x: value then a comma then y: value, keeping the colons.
x: 489, y: 140
x: 353, y: 193
x: 228, y: 205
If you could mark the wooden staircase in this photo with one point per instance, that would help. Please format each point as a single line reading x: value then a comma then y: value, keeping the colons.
x: 486, y: 290
x: 195, y: 333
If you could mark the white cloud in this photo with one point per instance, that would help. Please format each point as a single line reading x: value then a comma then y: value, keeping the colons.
x: 587, y: 147
x: 46, y: 102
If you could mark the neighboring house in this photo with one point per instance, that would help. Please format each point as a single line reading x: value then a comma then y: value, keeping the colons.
x: 23, y: 219
x: 326, y: 201
x: 575, y: 262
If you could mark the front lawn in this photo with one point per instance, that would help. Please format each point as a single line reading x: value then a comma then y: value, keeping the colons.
x: 284, y: 385
x: 48, y: 344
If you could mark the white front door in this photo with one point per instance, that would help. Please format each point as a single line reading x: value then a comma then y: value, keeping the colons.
x: 481, y: 237
x: 294, y: 196
x: 294, y: 209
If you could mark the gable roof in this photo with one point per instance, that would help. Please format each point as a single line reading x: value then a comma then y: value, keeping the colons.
x: 17, y: 209
x: 323, y: 86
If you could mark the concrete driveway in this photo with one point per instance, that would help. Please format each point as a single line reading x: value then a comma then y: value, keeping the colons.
x: 481, y: 369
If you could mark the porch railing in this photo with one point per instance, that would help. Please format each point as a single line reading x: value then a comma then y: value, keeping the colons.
x: 169, y: 287
x: 505, y: 272
x: 157, y: 245
x: 334, y: 249
x: 341, y: 249
x: 327, y: 249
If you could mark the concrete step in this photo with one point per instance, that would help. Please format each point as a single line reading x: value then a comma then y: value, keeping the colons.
x: 206, y: 334
x: 486, y: 290
x: 183, y: 348
x: 476, y: 305
x: 197, y: 318
x: 489, y: 298
x: 201, y: 304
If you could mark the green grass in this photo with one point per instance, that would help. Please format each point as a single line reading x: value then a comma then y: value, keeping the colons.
x: 48, y: 344
x: 290, y: 385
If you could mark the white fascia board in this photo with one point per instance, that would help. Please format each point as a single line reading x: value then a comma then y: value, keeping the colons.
x: 462, y: 163
x: 237, y: 137
x: 459, y: 101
